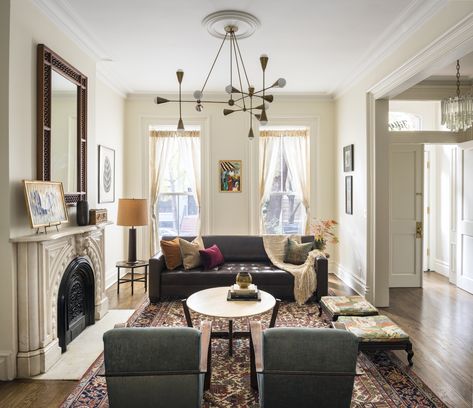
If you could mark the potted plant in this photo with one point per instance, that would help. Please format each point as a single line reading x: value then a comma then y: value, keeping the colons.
x: 324, y: 233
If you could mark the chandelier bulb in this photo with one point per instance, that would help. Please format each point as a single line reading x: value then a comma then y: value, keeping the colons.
x: 229, y: 89
x: 198, y: 95
x: 281, y: 83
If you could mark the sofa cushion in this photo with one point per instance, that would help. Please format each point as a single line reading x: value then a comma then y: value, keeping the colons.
x: 211, y: 257
x: 172, y: 253
x: 262, y: 274
x: 190, y: 252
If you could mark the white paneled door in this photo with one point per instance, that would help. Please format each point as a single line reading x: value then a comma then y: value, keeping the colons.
x: 406, y: 212
x: 465, y: 216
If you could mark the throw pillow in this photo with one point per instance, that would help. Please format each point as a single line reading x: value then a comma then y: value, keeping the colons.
x: 172, y: 253
x: 190, y: 252
x: 297, y: 253
x: 211, y: 257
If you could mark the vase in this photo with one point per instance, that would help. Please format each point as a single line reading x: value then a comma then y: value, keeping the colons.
x: 82, y: 214
x: 244, y: 279
x: 320, y: 244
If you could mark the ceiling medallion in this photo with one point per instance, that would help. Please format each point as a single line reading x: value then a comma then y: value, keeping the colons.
x: 230, y: 26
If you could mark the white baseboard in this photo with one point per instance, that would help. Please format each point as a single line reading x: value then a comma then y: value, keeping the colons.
x: 441, y: 267
x: 350, y: 279
x: 7, y: 365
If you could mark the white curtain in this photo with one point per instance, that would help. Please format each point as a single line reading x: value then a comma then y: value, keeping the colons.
x: 269, y: 151
x: 162, y: 144
x: 296, y: 151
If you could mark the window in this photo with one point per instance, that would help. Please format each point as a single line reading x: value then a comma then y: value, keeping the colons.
x: 175, y: 182
x: 284, y: 180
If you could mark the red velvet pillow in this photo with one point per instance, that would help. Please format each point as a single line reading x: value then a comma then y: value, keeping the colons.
x: 211, y: 257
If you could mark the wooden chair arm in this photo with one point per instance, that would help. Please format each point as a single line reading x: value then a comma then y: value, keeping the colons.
x: 206, y: 329
x: 257, y: 342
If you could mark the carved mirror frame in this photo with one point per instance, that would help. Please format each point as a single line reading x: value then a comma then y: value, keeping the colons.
x: 48, y: 60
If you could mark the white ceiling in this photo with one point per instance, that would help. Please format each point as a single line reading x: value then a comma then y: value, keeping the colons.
x: 449, y: 71
x: 317, y: 45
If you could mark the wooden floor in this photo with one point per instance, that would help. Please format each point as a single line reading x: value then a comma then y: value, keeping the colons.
x: 439, y: 319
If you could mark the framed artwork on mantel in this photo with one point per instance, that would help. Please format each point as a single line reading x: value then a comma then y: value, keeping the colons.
x: 349, y: 158
x: 230, y: 176
x: 106, y: 175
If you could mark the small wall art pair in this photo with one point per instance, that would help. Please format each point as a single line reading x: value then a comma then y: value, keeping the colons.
x: 348, y: 166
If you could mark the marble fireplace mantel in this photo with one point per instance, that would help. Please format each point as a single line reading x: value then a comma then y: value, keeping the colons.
x: 41, y: 260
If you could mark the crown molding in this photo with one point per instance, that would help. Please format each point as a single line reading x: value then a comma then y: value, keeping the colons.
x: 402, y: 28
x: 450, y: 46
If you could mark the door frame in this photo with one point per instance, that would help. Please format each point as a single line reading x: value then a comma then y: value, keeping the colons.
x: 457, y: 42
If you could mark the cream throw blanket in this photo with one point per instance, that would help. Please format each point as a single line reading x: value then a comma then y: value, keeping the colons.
x: 304, y: 277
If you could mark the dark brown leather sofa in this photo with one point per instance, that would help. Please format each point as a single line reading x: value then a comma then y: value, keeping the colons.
x: 241, y: 253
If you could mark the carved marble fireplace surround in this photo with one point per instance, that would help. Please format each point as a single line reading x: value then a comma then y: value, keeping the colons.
x: 41, y: 262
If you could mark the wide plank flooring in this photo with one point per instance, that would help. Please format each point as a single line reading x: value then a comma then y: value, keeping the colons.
x: 439, y: 319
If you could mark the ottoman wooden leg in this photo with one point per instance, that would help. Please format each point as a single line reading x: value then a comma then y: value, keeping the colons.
x: 410, y: 353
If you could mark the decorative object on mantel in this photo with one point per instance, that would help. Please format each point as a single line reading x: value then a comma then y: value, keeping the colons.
x: 457, y: 111
x: 349, y: 158
x: 231, y: 25
x: 106, y: 175
x: 230, y: 176
x: 45, y: 203
x: 324, y: 233
x: 349, y: 194
x: 132, y: 212
x: 82, y: 213
x: 98, y: 216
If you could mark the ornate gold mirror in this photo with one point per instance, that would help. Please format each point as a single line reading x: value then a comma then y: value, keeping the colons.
x: 61, y: 124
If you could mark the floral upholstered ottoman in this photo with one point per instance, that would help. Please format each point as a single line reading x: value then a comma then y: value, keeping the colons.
x: 335, y: 306
x: 376, y: 333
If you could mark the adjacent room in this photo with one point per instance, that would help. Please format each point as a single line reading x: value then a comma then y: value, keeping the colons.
x: 252, y: 204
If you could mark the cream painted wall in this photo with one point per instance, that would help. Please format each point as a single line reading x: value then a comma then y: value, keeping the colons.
x: 109, y: 125
x: 7, y: 288
x: 352, y: 127
x: 27, y: 27
x: 227, y: 139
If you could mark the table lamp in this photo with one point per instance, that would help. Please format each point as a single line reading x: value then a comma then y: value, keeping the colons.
x: 132, y: 212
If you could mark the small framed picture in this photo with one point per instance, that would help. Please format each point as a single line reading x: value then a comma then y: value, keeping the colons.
x: 230, y: 176
x: 349, y: 194
x: 106, y: 175
x: 349, y: 158
x: 45, y: 203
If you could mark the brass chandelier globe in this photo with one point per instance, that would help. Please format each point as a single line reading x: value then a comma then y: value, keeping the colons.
x: 243, y: 97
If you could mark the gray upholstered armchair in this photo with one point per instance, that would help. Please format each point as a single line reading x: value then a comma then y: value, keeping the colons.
x: 303, y: 367
x: 157, y: 367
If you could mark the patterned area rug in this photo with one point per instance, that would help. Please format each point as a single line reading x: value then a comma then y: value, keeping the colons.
x: 384, y: 380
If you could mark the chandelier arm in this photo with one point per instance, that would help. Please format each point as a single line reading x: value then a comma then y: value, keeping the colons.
x: 192, y: 101
x: 231, y: 65
x: 232, y: 37
x: 213, y: 64
x: 264, y: 90
x: 242, y: 62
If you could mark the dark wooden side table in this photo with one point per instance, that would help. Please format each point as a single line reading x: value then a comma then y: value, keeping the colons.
x: 133, y: 266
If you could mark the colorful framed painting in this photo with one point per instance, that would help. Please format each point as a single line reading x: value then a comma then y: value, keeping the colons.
x: 348, y: 158
x: 230, y: 176
x: 349, y: 194
x: 106, y: 175
x: 45, y: 203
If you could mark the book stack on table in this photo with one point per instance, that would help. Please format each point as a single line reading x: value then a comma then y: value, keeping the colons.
x: 249, y: 293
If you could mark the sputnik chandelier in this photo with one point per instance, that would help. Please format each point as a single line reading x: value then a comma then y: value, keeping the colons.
x: 457, y: 111
x: 226, y: 25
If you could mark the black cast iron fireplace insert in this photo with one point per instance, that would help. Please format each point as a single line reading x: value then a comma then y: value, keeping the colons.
x: 75, y: 305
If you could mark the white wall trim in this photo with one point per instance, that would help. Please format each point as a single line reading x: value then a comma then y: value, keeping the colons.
x: 451, y: 45
x: 442, y: 267
x: 350, y: 279
x: 278, y: 96
x: 7, y: 365
x: 401, y: 29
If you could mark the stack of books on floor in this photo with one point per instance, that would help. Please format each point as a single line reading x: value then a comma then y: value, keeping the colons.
x: 238, y: 293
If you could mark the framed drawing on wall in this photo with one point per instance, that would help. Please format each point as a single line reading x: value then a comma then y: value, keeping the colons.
x: 45, y: 202
x: 106, y: 175
x: 349, y: 194
x: 348, y: 158
x: 229, y: 176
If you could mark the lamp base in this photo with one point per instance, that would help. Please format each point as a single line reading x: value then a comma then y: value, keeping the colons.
x: 132, y: 246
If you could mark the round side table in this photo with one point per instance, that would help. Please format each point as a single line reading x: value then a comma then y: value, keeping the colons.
x: 133, y: 279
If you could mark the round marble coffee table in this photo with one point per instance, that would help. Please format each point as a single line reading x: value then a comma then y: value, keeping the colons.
x: 213, y: 303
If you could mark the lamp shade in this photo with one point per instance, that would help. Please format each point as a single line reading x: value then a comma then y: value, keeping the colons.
x: 132, y: 212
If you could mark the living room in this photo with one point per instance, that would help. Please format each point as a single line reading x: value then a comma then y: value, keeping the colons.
x: 343, y: 64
